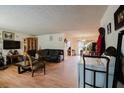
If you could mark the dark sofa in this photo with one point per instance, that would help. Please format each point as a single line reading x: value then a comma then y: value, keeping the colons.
x: 52, y: 55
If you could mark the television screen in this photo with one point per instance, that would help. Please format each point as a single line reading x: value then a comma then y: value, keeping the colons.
x: 7, y: 44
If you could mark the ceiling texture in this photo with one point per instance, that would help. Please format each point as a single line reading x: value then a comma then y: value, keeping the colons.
x: 78, y: 20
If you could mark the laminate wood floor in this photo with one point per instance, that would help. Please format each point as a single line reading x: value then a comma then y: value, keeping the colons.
x: 58, y: 75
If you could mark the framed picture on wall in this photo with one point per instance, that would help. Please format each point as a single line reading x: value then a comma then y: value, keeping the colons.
x: 8, y: 35
x: 109, y: 28
x: 51, y: 38
x: 0, y: 37
x: 60, y: 38
x: 119, y: 17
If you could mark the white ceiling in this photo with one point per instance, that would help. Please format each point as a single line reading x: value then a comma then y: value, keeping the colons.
x: 81, y: 21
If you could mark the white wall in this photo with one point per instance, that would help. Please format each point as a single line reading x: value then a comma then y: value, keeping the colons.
x: 57, y: 41
x: 111, y: 39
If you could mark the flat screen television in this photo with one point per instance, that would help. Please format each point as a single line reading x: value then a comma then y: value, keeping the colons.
x: 8, y: 44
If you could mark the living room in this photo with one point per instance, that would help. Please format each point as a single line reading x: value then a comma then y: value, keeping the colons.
x: 44, y: 31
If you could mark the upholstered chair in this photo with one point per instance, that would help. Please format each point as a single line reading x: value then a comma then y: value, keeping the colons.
x: 35, y: 64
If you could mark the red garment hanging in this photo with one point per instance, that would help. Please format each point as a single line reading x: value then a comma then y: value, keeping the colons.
x: 99, y: 41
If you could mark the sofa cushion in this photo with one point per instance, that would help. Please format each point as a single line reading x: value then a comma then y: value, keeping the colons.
x: 53, y: 52
x: 45, y: 52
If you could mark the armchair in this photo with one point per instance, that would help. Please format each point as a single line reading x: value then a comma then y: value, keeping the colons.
x: 35, y: 64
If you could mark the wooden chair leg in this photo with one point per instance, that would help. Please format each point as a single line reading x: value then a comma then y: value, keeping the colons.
x: 44, y: 70
x: 32, y: 73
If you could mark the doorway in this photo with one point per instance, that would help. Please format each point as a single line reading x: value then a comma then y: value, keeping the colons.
x: 81, y: 45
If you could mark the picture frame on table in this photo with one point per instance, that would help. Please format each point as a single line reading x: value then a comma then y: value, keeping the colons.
x: 119, y: 17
